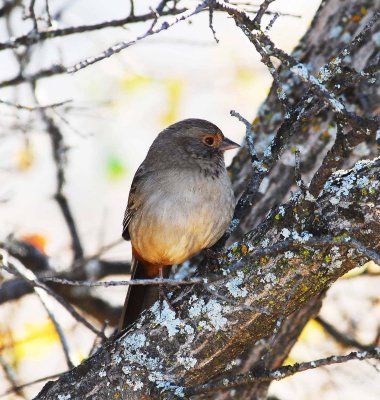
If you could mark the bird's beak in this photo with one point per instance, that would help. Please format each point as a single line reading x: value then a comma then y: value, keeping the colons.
x: 228, y: 144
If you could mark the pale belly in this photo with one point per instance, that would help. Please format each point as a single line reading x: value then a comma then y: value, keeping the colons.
x: 174, y: 225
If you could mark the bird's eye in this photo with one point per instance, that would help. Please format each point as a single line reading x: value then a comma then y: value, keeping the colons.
x: 209, y: 140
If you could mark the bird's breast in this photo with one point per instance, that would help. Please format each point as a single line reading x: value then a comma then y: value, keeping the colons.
x: 183, y: 214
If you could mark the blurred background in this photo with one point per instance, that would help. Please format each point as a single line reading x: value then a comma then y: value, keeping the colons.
x: 117, y: 108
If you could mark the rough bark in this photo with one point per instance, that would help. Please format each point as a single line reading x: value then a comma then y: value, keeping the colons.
x: 167, y: 352
x: 336, y: 23
x: 242, y: 314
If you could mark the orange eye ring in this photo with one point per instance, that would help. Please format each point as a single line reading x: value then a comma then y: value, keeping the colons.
x: 209, y: 141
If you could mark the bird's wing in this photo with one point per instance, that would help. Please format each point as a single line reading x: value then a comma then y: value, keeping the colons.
x: 134, y: 200
x: 127, y: 219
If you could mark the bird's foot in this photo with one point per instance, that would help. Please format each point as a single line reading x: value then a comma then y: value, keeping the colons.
x: 212, y: 260
x: 163, y: 297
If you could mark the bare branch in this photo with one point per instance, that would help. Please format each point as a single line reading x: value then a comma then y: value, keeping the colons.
x: 206, y: 333
x: 211, y: 22
x: 277, y: 273
x: 91, y: 268
x: 281, y: 373
x: 271, y: 22
x: 37, y: 37
x: 132, y: 8
x: 11, y: 377
x: 8, y: 6
x: 32, y: 15
x: 16, y: 389
x: 340, y: 337
x: 44, y: 73
x: 248, y: 135
x: 59, y: 156
x: 118, y: 47
x: 273, y: 250
x: 48, y: 16
x: 19, y: 269
x: 132, y: 282
x: 34, y: 108
x: 35, y: 283
x: 262, y: 9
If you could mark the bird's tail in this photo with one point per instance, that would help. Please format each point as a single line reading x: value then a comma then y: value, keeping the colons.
x: 138, y: 298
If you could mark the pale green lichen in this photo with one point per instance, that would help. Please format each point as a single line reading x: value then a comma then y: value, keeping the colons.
x: 343, y: 182
x: 165, y: 316
x: 234, y: 283
x: 211, y: 312
x: 187, y: 362
x: 64, y: 396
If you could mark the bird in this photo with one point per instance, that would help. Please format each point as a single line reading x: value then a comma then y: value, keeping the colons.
x: 180, y: 202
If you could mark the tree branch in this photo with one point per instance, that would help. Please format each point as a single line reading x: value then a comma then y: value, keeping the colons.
x: 118, y: 47
x: 206, y: 333
x: 281, y: 373
x: 41, y: 36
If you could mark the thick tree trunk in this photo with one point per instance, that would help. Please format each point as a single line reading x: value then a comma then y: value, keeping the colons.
x: 167, y: 353
x: 268, y: 293
x: 335, y: 24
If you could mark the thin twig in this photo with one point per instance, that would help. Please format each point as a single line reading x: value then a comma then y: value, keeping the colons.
x: 96, y: 343
x: 280, y: 373
x: 59, y: 156
x: 19, y: 269
x: 340, y: 337
x: 34, y: 77
x: 48, y: 15
x: 34, y: 108
x: 249, y: 138
x: 11, y: 377
x: 272, y: 21
x: 36, y: 37
x: 118, y: 47
x: 36, y: 283
x: 131, y: 8
x: 262, y: 9
x: 293, y: 116
x: 132, y: 282
x: 257, y: 253
x: 33, y: 15
x: 8, y: 7
x: 24, y: 385
x: 292, y: 244
x: 266, y: 60
x: 211, y: 22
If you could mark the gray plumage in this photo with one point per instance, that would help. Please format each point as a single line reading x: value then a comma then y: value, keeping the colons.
x: 181, y: 201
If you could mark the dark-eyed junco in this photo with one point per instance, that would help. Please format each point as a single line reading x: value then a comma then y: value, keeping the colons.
x: 180, y: 202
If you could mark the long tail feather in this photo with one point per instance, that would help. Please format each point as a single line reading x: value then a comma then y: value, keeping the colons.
x: 138, y: 298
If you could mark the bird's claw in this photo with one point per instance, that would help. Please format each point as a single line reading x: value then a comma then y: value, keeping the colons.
x: 212, y: 259
x: 164, y: 297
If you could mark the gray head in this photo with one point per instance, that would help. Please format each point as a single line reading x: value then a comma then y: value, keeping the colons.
x: 195, y: 139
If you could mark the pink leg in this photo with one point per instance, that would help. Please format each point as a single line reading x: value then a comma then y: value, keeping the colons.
x: 161, y: 291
